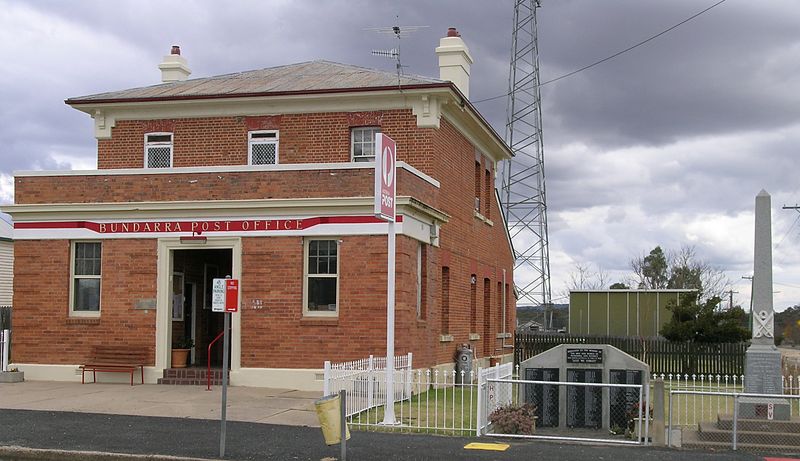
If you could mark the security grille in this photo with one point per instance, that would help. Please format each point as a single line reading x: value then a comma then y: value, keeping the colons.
x: 159, y: 157
x: 263, y: 153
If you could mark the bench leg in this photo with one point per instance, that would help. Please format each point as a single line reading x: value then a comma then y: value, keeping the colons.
x: 83, y: 373
x: 132, y: 376
x: 142, y: 374
x: 94, y: 375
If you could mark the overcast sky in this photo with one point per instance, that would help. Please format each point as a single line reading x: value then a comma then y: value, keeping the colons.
x: 665, y: 145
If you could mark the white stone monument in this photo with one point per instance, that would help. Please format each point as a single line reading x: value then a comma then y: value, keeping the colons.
x: 763, y: 359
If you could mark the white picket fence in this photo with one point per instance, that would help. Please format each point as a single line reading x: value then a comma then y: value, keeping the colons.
x: 364, y: 380
x: 488, y: 392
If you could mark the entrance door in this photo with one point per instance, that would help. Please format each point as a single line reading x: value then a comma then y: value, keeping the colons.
x: 189, y: 315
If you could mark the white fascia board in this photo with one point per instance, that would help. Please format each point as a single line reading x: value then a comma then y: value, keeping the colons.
x: 226, y: 169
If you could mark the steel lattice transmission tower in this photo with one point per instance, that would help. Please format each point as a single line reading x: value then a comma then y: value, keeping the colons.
x: 523, y: 186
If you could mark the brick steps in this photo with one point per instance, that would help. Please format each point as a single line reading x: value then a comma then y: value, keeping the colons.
x: 191, y: 376
x: 690, y: 440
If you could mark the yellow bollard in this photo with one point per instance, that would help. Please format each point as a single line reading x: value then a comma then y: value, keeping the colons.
x: 329, y: 413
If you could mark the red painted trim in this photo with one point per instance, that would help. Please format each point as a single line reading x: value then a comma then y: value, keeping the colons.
x: 200, y: 226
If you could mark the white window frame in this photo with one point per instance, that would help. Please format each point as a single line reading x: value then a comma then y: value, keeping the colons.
x: 251, y: 142
x: 72, y: 277
x: 376, y: 129
x: 306, y: 312
x: 170, y: 144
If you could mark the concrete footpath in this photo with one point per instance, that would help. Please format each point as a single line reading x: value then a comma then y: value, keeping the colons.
x: 65, y: 421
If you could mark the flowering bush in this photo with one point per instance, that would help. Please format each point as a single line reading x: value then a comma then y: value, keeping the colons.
x: 514, y: 419
x: 633, y: 413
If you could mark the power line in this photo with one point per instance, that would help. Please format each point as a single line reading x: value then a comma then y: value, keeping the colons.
x: 796, y: 208
x: 608, y: 58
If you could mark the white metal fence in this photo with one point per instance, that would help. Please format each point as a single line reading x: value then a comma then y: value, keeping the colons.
x: 364, y: 380
x: 707, y: 395
x: 767, y: 432
x: 589, y: 407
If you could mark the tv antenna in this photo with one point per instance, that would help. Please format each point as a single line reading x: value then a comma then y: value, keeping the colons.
x: 394, y: 53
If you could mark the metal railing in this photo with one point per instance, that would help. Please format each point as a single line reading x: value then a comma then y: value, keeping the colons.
x: 576, y: 422
x: 208, y: 368
x: 757, y: 430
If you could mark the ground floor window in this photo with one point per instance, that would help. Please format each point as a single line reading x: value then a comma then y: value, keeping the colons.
x: 86, y: 278
x: 321, y: 274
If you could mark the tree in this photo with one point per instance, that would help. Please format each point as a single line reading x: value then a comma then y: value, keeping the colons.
x: 619, y: 286
x: 679, y: 269
x: 583, y: 277
x: 699, y: 321
x: 651, y: 270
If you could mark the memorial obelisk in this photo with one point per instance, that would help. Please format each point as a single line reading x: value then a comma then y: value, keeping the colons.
x: 763, y: 360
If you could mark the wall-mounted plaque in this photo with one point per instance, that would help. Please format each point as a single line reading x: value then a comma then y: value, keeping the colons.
x: 584, y: 355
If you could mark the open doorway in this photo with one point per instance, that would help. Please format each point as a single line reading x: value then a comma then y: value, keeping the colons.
x: 192, y: 319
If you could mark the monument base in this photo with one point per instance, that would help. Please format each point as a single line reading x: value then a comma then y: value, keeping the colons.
x: 776, y: 409
x: 763, y: 370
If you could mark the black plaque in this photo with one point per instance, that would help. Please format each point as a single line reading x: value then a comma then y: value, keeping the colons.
x: 584, y: 403
x: 623, y: 401
x: 584, y: 355
x: 543, y: 396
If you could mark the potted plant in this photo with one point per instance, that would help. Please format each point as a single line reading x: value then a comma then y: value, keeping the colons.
x: 180, y: 352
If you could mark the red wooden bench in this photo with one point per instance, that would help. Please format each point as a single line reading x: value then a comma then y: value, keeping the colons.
x: 115, y: 359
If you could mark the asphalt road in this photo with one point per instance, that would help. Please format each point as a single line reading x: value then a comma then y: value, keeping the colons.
x: 144, y: 435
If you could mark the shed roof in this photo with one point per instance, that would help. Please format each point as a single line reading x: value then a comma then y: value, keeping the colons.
x: 305, y: 77
x: 6, y: 230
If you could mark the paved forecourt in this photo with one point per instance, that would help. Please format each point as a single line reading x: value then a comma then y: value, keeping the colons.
x: 246, y: 404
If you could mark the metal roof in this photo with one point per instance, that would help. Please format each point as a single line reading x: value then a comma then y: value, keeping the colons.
x: 306, y: 77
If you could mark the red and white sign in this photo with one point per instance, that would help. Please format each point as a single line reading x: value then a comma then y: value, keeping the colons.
x: 225, y: 295
x: 385, y: 177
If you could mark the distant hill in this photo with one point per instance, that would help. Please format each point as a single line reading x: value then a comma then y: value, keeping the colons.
x: 527, y: 312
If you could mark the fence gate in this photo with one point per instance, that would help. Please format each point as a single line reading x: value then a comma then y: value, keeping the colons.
x: 488, y: 397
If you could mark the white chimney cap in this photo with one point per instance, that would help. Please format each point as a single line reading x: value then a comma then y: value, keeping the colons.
x: 174, y: 67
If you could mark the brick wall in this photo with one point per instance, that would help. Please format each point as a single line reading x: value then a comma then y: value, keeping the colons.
x: 43, y: 330
x: 212, y: 186
x: 278, y: 335
x: 304, y: 138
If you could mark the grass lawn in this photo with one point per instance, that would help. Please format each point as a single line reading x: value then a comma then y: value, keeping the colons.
x: 447, y: 411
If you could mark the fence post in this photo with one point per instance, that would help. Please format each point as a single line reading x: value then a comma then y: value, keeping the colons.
x: 646, y: 415
x: 669, y: 428
x: 370, y: 381
x: 326, y: 378
x: 735, y: 418
x: 658, y: 412
x: 6, y: 340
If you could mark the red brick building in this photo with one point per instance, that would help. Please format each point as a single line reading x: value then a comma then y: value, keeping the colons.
x: 273, y: 171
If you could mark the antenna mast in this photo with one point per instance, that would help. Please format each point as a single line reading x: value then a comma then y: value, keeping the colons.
x: 399, y: 32
x: 523, y: 186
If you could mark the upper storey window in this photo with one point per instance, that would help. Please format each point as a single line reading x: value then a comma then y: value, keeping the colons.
x: 158, y: 150
x: 262, y: 147
x: 362, y: 143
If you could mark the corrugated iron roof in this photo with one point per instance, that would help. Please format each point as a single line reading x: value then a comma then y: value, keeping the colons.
x: 313, y: 76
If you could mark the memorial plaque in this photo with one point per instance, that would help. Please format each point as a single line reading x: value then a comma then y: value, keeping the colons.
x: 622, y: 400
x: 543, y: 396
x: 584, y: 403
x: 585, y: 355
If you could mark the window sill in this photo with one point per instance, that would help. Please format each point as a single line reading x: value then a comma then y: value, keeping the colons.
x: 474, y: 336
x: 83, y: 321
x: 326, y: 321
x: 483, y: 218
x: 446, y: 338
x: 503, y: 335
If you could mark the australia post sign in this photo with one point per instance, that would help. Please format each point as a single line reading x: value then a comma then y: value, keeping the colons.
x: 385, y: 177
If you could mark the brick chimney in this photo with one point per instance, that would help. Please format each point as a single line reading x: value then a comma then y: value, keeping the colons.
x: 454, y: 60
x: 174, y: 68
